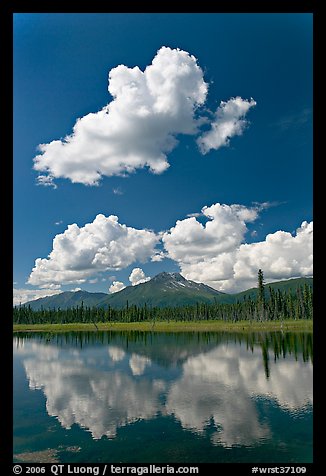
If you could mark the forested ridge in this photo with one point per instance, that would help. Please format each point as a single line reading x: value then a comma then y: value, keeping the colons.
x: 279, y: 305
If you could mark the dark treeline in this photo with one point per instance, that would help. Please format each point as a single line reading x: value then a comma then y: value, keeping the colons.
x: 280, y: 305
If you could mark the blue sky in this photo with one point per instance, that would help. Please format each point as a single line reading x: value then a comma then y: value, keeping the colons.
x: 61, y: 67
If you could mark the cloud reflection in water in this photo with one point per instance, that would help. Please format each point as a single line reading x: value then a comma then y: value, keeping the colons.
x: 112, y: 387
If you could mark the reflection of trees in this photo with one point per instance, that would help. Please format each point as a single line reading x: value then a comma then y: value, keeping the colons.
x: 265, y: 356
x: 174, y: 348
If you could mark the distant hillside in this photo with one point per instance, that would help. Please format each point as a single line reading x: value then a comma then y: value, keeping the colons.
x: 66, y: 300
x: 287, y: 285
x: 165, y: 289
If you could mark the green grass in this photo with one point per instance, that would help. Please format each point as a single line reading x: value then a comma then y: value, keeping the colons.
x: 172, y: 326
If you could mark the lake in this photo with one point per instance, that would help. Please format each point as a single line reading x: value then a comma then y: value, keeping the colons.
x: 133, y: 397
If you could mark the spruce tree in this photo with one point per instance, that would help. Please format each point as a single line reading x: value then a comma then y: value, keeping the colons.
x: 261, y: 294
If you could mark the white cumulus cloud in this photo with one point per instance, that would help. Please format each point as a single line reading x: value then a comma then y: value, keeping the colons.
x: 210, y: 248
x: 216, y: 254
x: 116, y: 286
x: 281, y: 255
x: 137, y: 129
x: 80, y: 252
x: 160, y: 256
x: 189, y: 241
x: 137, y: 276
x: 229, y: 121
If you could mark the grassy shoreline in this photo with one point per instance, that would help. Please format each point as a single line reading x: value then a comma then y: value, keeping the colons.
x: 172, y: 326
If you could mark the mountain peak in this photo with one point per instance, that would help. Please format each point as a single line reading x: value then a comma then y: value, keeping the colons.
x: 175, y: 282
x: 164, y: 276
x: 164, y: 289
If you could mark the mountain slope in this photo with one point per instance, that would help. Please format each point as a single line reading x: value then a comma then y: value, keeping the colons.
x: 66, y: 300
x: 165, y: 289
x: 287, y: 285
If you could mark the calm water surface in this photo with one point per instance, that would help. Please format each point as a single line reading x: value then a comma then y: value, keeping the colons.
x: 163, y: 398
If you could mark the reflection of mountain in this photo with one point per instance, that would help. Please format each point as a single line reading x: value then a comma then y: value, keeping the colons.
x: 173, y: 349
x: 164, y: 351
x: 104, y: 387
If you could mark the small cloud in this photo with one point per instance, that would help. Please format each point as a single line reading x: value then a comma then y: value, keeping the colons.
x: 265, y: 205
x: 75, y: 290
x: 229, y: 121
x: 50, y: 286
x: 46, y: 181
x: 253, y: 233
x: 294, y: 121
x: 159, y: 257
x: 116, y: 286
x: 117, y: 191
x: 93, y: 281
x: 137, y: 276
x: 195, y: 215
x: 58, y: 222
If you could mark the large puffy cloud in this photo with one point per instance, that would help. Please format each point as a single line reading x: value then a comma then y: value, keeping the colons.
x: 215, y: 253
x: 281, y: 255
x: 229, y: 121
x: 206, y: 252
x: 190, y: 241
x: 104, y: 244
x: 137, y: 128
